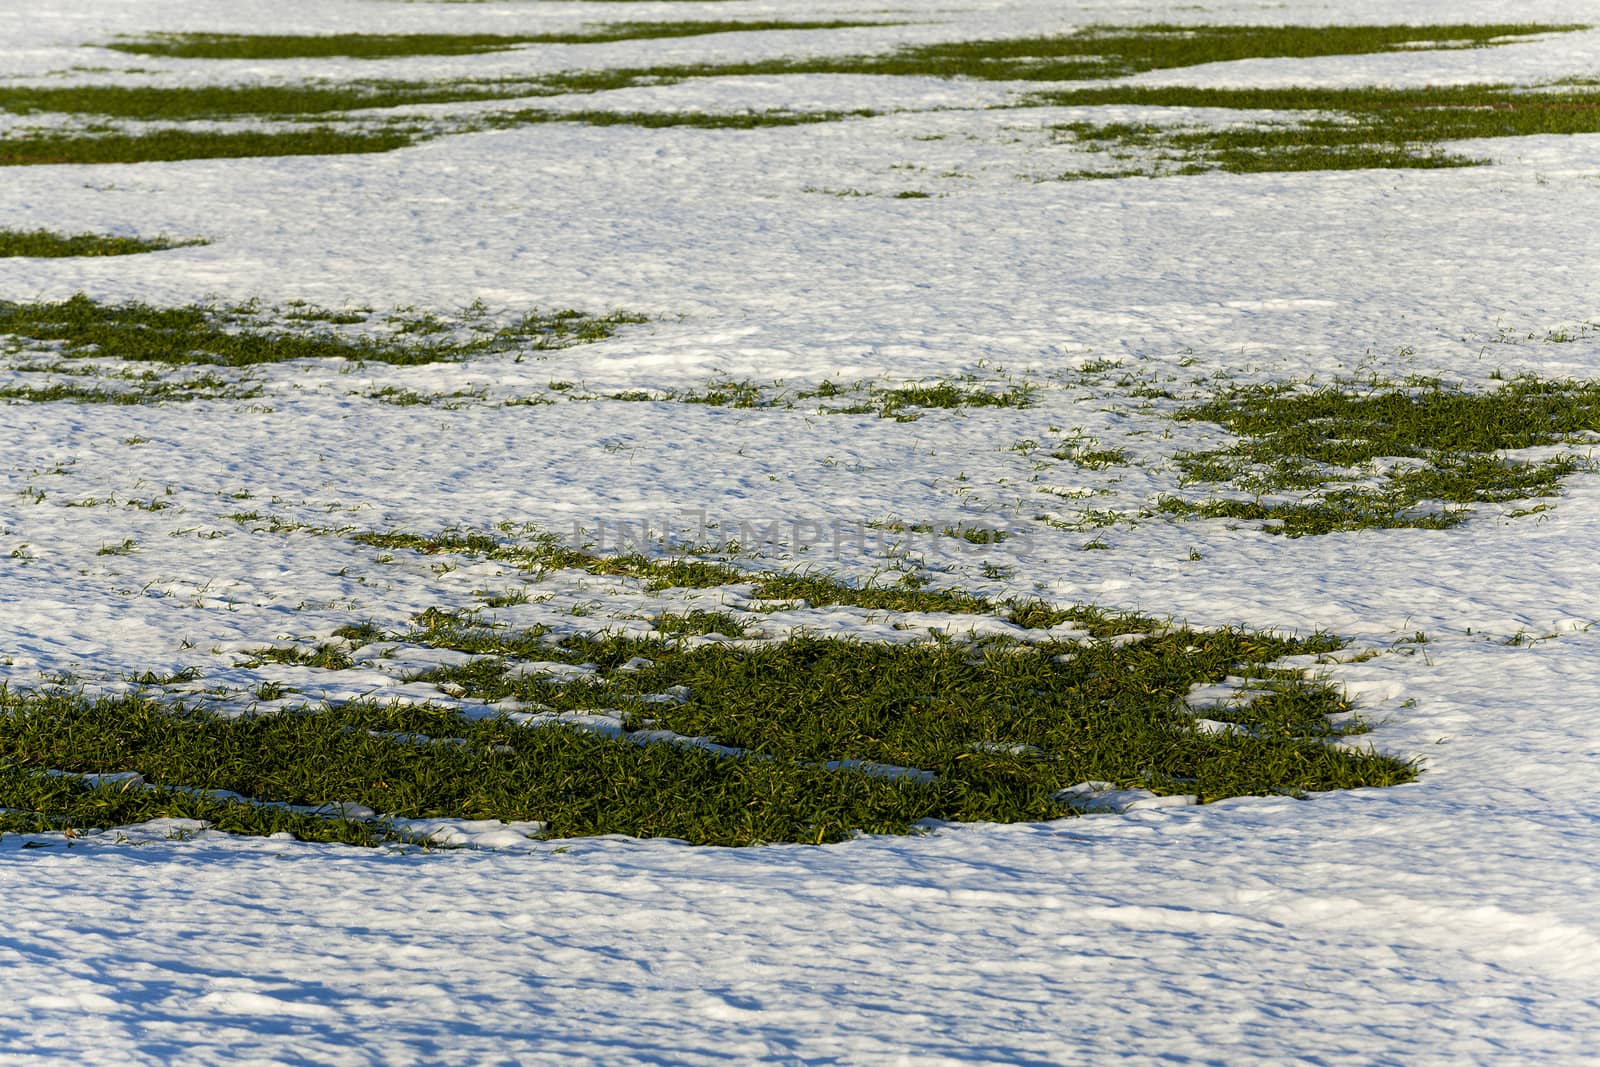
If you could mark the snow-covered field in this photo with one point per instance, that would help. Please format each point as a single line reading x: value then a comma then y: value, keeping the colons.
x: 1447, y: 921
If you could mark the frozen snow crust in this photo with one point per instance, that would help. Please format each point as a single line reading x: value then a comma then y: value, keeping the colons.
x: 1446, y: 921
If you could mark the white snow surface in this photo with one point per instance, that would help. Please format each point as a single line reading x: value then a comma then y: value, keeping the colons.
x: 1448, y: 921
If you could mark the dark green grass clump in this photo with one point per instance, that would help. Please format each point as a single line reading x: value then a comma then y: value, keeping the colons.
x: 418, y: 763
x: 1091, y: 53
x: 905, y: 403
x: 171, y: 144
x: 47, y: 243
x: 1116, y: 51
x: 655, y: 120
x: 1062, y: 712
x: 547, y: 552
x: 699, y: 622
x: 390, y: 45
x: 837, y: 737
x: 1341, y: 129
x: 1324, y: 440
x: 237, y: 337
x: 1339, y: 427
x: 1002, y: 728
x: 32, y: 802
x: 165, y: 144
x: 154, y: 103
x: 314, y: 99
x: 1097, y: 52
x: 140, y: 391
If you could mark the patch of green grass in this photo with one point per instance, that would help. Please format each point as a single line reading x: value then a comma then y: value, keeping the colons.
x: 329, y: 656
x: 300, y: 311
x: 1328, y: 442
x: 273, y: 524
x: 1387, y: 135
x: 1330, y: 512
x: 176, y: 143
x: 1337, y: 426
x: 405, y: 398
x: 725, y: 393
x: 906, y: 403
x: 1088, y: 457
x: 699, y: 622
x: 153, y: 391
x: 704, y: 120
x: 546, y: 552
x: 389, y: 45
x: 239, y: 336
x: 219, y: 102
x: 1000, y: 729
x: 330, y: 99
x: 908, y: 594
x: 1328, y: 129
x: 903, y: 403
x: 1116, y: 51
x: 171, y: 144
x: 943, y: 707
x: 1037, y: 615
x: 828, y: 737
x: 1096, y: 175
x: 976, y: 535
x: 418, y: 763
x: 46, y: 243
x: 34, y: 802
x: 1092, y: 53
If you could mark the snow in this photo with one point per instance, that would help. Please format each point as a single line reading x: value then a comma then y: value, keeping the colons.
x: 1446, y: 921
